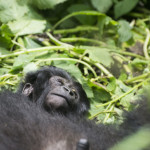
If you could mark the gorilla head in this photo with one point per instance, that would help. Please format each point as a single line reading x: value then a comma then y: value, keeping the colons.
x: 55, y: 90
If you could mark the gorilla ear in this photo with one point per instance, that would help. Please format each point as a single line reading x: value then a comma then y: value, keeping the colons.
x: 27, y: 89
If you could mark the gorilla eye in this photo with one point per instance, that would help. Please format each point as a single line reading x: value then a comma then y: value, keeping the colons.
x: 59, y: 81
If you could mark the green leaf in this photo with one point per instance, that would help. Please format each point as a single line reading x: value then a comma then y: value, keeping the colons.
x: 101, y: 95
x: 123, y: 7
x: 5, y: 37
x: 122, y: 86
x: 101, y: 23
x: 139, y: 64
x: 11, y: 10
x: 94, y: 110
x: 29, y: 43
x: 137, y: 141
x: 30, y: 67
x: 4, y: 51
x: 86, y: 20
x: 111, y: 85
x: 124, y: 31
x: 46, y: 4
x: 101, y: 55
x: 5, y: 31
x: 87, y: 89
x: 102, y: 5
x: 123, y: 76
x: 3, y: 71
x: 126, y: 101
x: 22, y: 60
x: 27, y: 26
x: 87, y: 12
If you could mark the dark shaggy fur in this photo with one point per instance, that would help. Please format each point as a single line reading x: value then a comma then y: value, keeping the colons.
x: 25, y: 126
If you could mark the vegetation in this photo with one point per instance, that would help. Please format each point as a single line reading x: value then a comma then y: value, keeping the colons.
x: 103, y: 43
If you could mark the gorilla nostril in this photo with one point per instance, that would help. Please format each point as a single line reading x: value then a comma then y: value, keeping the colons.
x: 71, y: 93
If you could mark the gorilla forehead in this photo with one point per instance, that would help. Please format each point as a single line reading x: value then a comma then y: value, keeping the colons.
x: 46, y: 72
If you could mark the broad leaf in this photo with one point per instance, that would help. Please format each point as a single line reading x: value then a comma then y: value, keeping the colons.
x: 30, y: 67
x: 5, y: 37
x: 27, y: 26
x: 46, y: 4
x: 22, y: 60
x: 124, y: 7
x: 124, y: 31
x: 11, y: 10
x: 102, y: 5
x: 101, y: 55
x: 88, y: 20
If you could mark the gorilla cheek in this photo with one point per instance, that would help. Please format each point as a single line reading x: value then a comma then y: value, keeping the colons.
x: 56, y: 102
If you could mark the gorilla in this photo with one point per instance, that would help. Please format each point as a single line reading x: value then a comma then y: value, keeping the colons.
x: 56, y: 91
x: 32, y: 119
x: 25, y: 126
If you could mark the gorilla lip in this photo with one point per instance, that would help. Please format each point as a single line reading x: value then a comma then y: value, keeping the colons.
x: 61, y: 96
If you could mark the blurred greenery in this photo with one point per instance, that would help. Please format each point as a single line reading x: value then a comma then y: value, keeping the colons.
x: 105, y: 44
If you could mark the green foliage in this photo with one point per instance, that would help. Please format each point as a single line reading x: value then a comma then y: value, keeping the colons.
x: 141, y: 138
x: 46, y: 3
x: 85, y: 20
x: 29, y: 67
x: 124, y: 6
x: 11, y: 10
x: 5, y: 38
x: 103, y: 54
x: 124, y: 31
x: 100, y: 55
x: 27, y: 26
x: 22, y: 60
x: 102, y: 5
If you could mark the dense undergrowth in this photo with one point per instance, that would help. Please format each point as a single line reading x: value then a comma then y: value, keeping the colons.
x: 103, y: 43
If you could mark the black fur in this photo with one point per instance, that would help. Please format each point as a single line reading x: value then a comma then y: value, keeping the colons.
x: 25, y: 126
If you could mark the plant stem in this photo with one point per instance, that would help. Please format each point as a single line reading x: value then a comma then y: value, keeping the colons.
x: 57, y: 42
x: 91, y: 13
x: 137, y: 78
x: 146, y: 44
x: 70, y: 59
x: 101, y: 67
x: 123, y: 95
x: 35, y: 50
x: 77, y: 29
x: 105, y: 111
x: 82, y: 40
x: 130, y: 54
x: 108, y: 114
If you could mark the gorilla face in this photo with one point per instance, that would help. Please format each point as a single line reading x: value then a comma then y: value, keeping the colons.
x: 62, y: 93
x: 55, y: 90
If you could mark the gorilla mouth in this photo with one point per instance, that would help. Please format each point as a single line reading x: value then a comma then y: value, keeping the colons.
x: 62, y: 96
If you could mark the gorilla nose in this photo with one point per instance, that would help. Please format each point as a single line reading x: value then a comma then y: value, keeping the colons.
x: 69, y: 91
